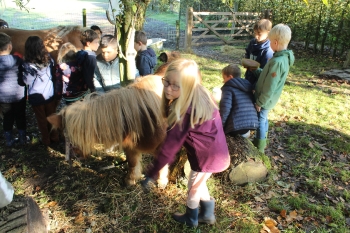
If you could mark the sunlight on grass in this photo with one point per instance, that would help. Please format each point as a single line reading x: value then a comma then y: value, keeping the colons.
x: 167, y: 17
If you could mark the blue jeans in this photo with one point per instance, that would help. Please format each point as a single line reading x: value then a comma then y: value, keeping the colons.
x: 263, y: 127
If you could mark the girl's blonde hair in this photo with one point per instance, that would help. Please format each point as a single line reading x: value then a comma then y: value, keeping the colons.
x: 192, y: 93
x: 66, y: 53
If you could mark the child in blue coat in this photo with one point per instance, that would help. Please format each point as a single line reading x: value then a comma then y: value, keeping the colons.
x: 237, y: 109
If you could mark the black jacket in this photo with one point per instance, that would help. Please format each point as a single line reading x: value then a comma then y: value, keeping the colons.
x: 236, y: 106
x: 146, y: 61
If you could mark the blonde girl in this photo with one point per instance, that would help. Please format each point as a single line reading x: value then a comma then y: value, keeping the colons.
x: 195, y: 123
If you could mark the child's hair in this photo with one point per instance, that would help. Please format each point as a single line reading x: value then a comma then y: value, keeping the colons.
x: 109, y: 40
x: 281, y: 33
x: 5, y: 40
x: 95, y: 28
x: 263, y: 25
x: 66, y: 53
x: 233, y: 70
x: 3, y: 24
x: 140, y: 36
x: 192, y: 93
x: 88, y: 35
x: 35, y: 51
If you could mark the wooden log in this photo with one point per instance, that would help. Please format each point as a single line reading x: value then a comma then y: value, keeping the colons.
x: 22, y: 215
x: 244, y: 155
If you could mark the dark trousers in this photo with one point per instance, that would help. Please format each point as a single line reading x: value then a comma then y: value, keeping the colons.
x: 41, y: 113
x: 16, y: 113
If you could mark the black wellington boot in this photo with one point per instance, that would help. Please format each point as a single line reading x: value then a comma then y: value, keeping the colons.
x: 206, y: 214
x: 190, y: 218
x: 9, y: 138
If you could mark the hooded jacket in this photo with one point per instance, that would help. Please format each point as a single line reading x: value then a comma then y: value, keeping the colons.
x: 70, y: 80
x: 272, y: 79
x: 237, y: 110
x: 205, y: 144
x: 10, y: 91
x: 107, y: 75
x: 39, y: 81
x: 6, y: 191
x: 88, y: 60
x: 260, y: 52
x: 146, y: 60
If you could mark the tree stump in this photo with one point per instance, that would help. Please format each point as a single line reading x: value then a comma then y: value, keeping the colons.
x: 22, y: 215
x: 245, y: 163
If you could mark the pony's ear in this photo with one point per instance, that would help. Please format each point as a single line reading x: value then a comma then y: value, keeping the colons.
x: 55, y: 120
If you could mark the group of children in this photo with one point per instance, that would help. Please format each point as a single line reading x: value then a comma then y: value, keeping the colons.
x: 245, y: 103
x: 194, y: 120
x: 75, y: 74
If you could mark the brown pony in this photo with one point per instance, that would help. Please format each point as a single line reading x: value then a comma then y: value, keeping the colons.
x: 53, y: 38
x: 129, y: 117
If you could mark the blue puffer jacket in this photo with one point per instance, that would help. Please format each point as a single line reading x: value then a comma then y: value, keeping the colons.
x: 146, y: 60
x: 237, y: 110
x: 10, y: 91
x: 260, y: 52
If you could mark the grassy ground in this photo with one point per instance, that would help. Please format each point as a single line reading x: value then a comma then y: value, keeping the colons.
x: 167, y: 17
x: 307, y: 189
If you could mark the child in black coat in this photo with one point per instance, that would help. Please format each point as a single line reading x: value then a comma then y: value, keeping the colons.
x: 237, y: 109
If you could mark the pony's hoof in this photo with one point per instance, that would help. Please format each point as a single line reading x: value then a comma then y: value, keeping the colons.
x: 130, y: 182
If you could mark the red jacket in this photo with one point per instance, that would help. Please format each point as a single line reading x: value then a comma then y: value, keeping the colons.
x: 205, y: 145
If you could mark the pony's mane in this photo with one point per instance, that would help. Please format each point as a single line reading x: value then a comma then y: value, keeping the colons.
x: 130, y: 112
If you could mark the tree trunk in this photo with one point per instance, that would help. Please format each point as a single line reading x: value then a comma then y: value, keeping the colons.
x: 131, y: 19
x: 245, y: 163
x: 340, y: 28
x: 318, y: 29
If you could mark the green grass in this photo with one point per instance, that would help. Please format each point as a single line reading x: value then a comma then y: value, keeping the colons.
x: 167, y: 17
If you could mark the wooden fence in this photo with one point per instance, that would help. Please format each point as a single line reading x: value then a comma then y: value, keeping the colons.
x: 217, y: 27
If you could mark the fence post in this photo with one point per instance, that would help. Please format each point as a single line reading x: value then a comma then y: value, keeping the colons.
x: 189, y: 25
x: 177, y: 34
x: 84, y: 17
x: 267, y: 14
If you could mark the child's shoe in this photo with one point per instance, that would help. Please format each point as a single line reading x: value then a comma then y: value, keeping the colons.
x: 9, y: 138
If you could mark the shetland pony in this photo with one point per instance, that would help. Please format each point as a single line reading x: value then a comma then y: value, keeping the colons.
x: 129, y: 117
x: 53, y: 38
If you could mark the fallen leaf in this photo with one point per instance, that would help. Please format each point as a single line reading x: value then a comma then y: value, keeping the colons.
x: 51, y: 204
x: 271, y: 225
x: 329, y: 219
x: 283, y: 213
x: 79, y: 219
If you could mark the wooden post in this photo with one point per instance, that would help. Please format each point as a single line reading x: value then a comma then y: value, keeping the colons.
x: 84, y: 17
x: 177, y: 34
x: 267, y: 14
x: 189, y: 25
